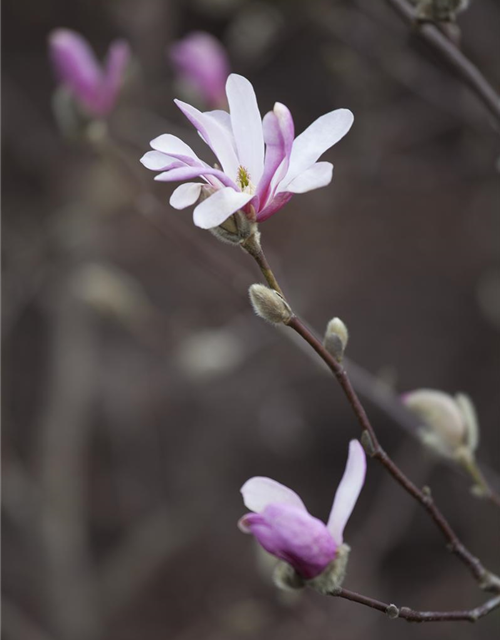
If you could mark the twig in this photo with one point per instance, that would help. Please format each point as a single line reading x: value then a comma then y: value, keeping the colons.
x: 411, y: 615
x: 465, y: 69
x: 485, y: 579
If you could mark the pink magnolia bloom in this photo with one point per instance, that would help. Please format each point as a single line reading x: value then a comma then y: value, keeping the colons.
x: 283, y: 526
x: 201, y: 61
x: 262, y: 165
x: 94, y: 86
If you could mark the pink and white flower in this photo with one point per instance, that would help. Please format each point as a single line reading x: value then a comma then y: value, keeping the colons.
x: 284, y: 527
x: 201, y: 62
x: 94, y: 86
x: 261, y: 164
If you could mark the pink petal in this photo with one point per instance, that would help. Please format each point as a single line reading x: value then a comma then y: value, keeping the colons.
x: 277, y: 203
x: 202, y: 61
x: 218, y: 207
x: 77, y: 66
x: 215, y: 135
x: 247, y: 125
x: 185, y: 195
x: 278, y: 135
x: 322, y: 134
x: 319, y: 175
x: 114, y: 69
x: 259, y: 492
x: 348, y: 491
x: 189, y: 172
x: 293, y: 535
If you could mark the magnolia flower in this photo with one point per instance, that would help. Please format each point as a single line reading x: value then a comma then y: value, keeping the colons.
x: 283, y: 526
x: 201, y: 61
x: 93, y: 86
x: 261, y: 165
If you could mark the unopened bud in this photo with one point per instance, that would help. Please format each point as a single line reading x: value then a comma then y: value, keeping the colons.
x: 449, y: 423
x: 236, y: 229
x: 269, y: 304
x: 336, y: 338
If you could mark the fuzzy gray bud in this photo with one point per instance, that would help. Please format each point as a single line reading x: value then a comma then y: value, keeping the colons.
x: 336, y: 338
x: 269, y: 304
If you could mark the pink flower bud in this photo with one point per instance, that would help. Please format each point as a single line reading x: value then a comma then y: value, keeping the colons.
x: 94, y: 86
x: 202, y: 62
x: 283, y: 526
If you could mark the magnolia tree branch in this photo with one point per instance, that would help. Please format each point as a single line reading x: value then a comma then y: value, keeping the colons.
x: 486, y: 580
x: 411, y: 615
x: 450, y: 53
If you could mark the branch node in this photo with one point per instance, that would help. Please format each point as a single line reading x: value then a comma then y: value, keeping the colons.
x: 368, y: 444
x: 392, y: 611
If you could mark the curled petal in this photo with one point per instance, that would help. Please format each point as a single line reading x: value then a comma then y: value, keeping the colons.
x: 185, y: 195
x: 247, y: 125
x: 322, y: 134
x: 215, y: 135
x: 277, y: 203
x: 293, y: 535
x: 175, y: 147
x: 183, y: 172
x: 348, y: 491
x: 259, y: 492
x: 157, y: 161
x: 218, y: 207
x: 319, y: 175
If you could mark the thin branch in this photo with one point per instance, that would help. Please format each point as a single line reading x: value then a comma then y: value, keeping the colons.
x: 411, y: 615
x: 485, y: 579
x: 464, y: 68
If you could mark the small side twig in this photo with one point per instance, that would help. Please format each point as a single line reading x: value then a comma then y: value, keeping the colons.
x: 411, y: 615
x: 450, y: 53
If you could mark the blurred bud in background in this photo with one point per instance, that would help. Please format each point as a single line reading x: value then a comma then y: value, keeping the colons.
x: 202, y: 67
x: 92, y: 86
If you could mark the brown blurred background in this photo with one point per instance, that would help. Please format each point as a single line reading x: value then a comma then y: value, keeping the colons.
x: 140, y: 391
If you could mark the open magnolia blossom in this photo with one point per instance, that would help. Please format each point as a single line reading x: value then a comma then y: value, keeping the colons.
x: 94, y: 86
x: 261, y: 164
x: 284, y: 527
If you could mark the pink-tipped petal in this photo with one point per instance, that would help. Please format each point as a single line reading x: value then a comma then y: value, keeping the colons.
x: 293, y: 535
x: 218, y: 207
x: 278, y: 135
x: 185, y: 195
x: 247, y: 125
x: 348, y: 491
x: 319, y: 175
x: 322, y: 134
x: 215, y: 135
x: 276, y: 203
x: 259, y: 492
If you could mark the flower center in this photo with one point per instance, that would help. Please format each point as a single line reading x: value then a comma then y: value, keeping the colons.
x: 243, y: 180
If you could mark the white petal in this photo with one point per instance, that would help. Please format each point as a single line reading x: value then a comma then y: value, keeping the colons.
x: 259, y: 492
x: 174, y: 146
x: 216, y: 135
x: 319, y: 175
x: 185, y: 195
x: 347, y: 491
x: 157, y: 161
x: 322, y: 134
x: 185, y: 172
x: 246, y: 124
x: 218, y: 207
